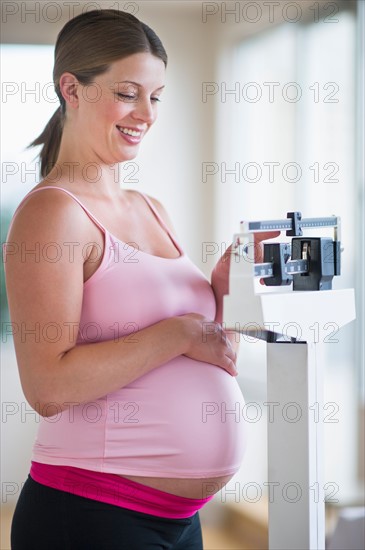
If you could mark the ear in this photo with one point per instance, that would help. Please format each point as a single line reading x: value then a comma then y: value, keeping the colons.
x: 69, y: 88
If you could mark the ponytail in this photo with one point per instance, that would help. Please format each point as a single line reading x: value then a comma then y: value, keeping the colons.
x: 51, y: 140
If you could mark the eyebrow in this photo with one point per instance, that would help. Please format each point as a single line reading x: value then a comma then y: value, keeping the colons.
x: 136, y: 84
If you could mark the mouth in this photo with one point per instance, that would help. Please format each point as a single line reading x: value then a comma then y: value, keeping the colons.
x: 130, y: 135
x: 130, y: 131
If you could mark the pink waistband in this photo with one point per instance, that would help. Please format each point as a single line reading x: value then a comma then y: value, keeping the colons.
x: 117, y: 490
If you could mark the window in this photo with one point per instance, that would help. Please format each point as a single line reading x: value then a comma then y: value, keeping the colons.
x: 28, y: 101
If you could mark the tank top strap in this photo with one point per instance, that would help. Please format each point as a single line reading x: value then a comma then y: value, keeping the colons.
x: 161, y: 221
x: 100, y: 225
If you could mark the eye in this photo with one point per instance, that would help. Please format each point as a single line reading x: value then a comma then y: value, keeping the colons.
x: 127, y: 97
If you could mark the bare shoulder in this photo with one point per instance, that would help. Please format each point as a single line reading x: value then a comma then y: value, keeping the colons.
x: 50, y: 213
x: 163, y: 213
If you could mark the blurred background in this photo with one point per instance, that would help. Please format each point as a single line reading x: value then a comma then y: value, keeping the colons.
x: 263, y: 113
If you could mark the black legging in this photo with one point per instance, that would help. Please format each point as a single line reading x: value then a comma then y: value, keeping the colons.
x: 50, y: 519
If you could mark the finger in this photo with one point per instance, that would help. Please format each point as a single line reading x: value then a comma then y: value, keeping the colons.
x: 266, y: 235
x: 226, y: 257
x: 259, y: 237
x: 229, y: 366
x: 234, y: 370
x: 231, y: 354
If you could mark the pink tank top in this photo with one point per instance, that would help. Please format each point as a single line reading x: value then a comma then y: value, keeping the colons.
x: 184, y: 418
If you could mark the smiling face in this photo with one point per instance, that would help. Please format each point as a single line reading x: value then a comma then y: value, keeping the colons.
x: 114, y: 112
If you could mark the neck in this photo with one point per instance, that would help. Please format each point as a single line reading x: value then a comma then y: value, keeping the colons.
x: 77, y: 166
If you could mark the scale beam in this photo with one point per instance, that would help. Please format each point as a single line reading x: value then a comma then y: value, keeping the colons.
x: 293, y: 224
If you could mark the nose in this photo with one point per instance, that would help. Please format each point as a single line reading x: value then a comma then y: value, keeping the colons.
x: 144, y: 110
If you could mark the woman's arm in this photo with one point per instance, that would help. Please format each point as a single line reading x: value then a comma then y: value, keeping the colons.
x: 45, y: 300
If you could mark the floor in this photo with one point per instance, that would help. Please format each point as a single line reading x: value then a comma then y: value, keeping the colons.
x: 216, y: 539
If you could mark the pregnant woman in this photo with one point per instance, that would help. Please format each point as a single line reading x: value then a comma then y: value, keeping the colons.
x: 120, y: 347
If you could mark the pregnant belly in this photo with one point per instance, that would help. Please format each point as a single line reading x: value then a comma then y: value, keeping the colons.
x: 183, y: 429
x: 189, y: 488
x: 180, y: 429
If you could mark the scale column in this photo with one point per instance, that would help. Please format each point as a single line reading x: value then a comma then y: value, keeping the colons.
x: 295, y: 447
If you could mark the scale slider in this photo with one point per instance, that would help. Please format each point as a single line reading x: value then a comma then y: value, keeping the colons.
x: 297, y: 266
x: 264, y: 270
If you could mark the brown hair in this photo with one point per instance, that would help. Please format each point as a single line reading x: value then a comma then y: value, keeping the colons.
x: 85, y: 47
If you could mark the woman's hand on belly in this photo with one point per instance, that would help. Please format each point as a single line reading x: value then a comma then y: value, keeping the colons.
x: 208, y: 342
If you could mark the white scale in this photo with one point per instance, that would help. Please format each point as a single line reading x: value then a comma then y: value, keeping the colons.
x: 294, y: 369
